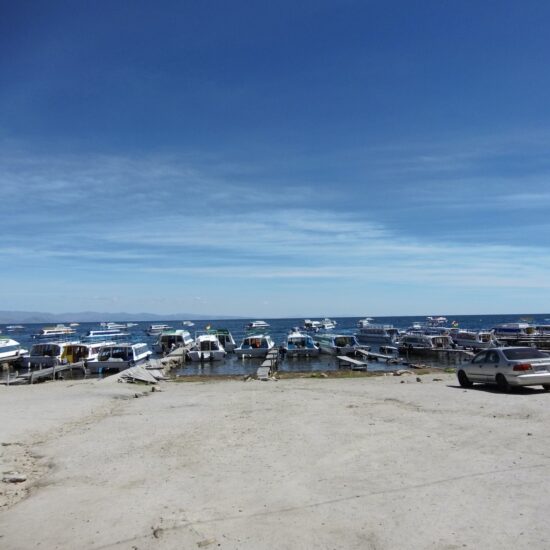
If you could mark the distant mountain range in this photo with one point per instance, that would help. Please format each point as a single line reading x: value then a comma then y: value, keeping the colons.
x: 97, y: 317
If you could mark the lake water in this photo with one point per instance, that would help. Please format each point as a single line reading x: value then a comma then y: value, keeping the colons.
x: 279, y: 328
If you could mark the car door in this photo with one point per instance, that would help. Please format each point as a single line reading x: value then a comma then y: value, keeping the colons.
x: 476, y: 368
x: 491, y: 365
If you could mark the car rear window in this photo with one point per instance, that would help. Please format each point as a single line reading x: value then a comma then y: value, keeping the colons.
x: 523, y: 353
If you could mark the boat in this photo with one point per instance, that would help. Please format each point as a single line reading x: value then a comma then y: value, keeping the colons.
x: 207, y: 348
x: 10, y: 350
x: 364, y: 322
x: 105, y: 334
x: 74, y: 324
x: 312, y: 326
x: 188, y: 324
x: 425, y: 343
x: 117, y: 357
x: 474, y: 339
x: 379, y: 333
x: 225, y: 337
x: 328, y: 324
x: 130, y: 325
x: 337, y: 344
x: 514, y: 330
x: 257, y: 325
x: 300, y: 344
x: 48, y: 354
x: 111, y: 326
x: 56, y: 331
x: 15, y: 328
x: 257, y: 345
x: 153, y: 330
x: 82, y: 351
x: 436, y: 321
x: 169, y: 340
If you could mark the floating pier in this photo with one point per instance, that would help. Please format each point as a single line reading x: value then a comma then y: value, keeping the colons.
x: 51, y: 373
x: 354, y: 364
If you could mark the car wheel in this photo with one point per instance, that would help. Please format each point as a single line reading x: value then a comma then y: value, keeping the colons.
x: 463, y: 379
x: 546, y: 387
x: 502, y: 383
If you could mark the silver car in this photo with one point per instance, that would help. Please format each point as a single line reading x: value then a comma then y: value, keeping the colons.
x: 506, y: 367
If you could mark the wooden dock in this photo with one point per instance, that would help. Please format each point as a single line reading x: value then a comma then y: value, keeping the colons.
x: 269, y: 365
x: 354, y: 364
x: 375, y: 356
x: 51, y: 373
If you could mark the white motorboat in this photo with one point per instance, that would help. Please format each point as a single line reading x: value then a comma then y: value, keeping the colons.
x: 10, y: 350
x: 57, y: 331
x: 379, y: 333
x: 225, y: 337
x: 337, y: 344
x: 172, y: 339
x: 519, y: 330
x: 312, y: 326
x: 474, y: 339
x: 153, y: 330
x: 257, y: 325
x: 207, y: 348
x: 73, y: 353
x: 112, y: 326
x: 364, y: 322
x: 117, y: 357
x: 188, y: 324
x: 111, y: 334
x: 257, y: 345
x: 423, y: 343
x: 15, y: 328
x: 48, y: 354
x: 300, y: 344
x: 328, y: 324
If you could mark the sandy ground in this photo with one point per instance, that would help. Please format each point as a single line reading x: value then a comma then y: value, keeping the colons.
x: 368, y: 463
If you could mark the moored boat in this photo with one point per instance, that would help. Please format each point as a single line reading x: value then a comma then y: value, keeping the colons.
x: 10, y: 350
x: 337, y: 344
x: 379, y: 333
x: 169, y: 340
x: 207, y: 348
x: 474, y: 339
x: 257, y: 345
x: 117, y: 357
x: 82, y: 351
x: 225, y: 337
x: 299, y: 344
x: 425, y: 344
x: 48, y: 354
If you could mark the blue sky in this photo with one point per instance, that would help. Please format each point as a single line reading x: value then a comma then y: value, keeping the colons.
x: 275, y: 159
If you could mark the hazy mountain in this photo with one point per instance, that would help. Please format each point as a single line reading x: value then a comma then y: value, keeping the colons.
x: 94, y: 316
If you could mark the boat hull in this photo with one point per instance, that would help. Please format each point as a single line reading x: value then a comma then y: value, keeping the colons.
x: 206, y: 356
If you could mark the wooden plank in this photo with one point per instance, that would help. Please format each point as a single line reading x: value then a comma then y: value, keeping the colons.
x: 354, y: 363
x: 368, y: 354
x: 262, y: 373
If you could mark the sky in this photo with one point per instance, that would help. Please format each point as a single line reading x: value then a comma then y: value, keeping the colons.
x: 274, y: 159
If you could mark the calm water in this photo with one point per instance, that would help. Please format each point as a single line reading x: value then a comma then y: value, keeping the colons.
x: 278, y: 330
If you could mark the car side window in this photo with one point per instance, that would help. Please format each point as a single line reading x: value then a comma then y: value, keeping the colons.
x: 492, y: 357
x: 480, y: 358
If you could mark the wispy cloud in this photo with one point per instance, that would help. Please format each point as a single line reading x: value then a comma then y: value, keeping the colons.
x: 163, y: 216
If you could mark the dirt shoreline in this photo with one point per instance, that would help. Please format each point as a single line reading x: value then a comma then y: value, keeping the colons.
x: 363, y: 462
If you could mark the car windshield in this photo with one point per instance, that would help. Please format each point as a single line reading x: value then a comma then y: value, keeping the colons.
x: 524, y: 353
